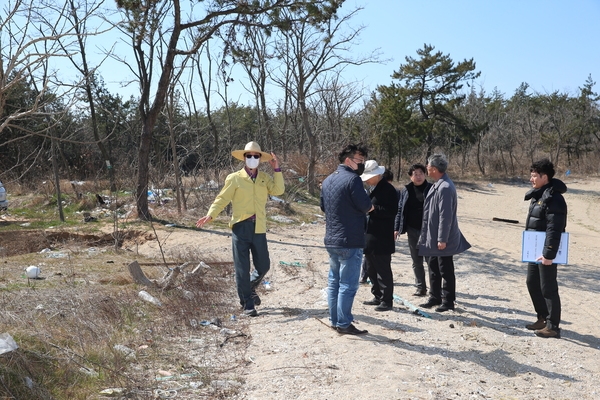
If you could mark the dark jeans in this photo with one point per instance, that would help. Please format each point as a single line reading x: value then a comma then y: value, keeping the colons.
x: 244, y: 241
x: 417, y: 260
x: 442, y: 269
x: 379, y: 269
x: 543, y: 289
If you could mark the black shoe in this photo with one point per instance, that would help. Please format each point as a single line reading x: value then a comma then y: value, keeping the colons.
x: 251, y: 313
x: 445, y: 307
x: 420, y: 293
x: 363, y: 282
x: 383, y: 306
x: 351, y: 330
x: 430, y: 303
x: 255, y: 297
x: 373, y: 302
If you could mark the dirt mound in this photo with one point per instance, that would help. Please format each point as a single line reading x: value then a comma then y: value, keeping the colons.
x: 33, y: 241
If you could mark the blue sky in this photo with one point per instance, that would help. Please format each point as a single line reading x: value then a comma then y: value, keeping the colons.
x: 552, y: 45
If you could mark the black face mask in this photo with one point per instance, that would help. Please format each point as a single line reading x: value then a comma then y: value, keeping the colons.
x: 360, y: 168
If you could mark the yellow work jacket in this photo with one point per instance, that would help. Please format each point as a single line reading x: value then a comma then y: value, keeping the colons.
x: 247, y: 197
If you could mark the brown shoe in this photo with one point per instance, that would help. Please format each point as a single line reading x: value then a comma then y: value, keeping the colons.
x: 537, y: 325
x: 548, y: 333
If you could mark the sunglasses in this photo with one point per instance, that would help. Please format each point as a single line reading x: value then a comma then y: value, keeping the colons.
x: 252, y: 155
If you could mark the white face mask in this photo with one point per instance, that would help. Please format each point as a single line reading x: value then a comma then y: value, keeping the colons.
x: 252, y: 162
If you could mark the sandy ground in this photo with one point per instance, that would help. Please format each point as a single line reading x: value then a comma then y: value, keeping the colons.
x: 480, y: 350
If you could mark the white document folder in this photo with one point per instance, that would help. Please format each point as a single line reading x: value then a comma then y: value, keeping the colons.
x: 533, y: 246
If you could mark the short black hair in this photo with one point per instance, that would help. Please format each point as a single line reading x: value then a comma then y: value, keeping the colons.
x: 543, y: 167
x: 388, y: 175
x: 417, y: 166
x: 350, y: 150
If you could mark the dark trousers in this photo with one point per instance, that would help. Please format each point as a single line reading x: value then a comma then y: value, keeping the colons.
x: 379, y: 269
x: 417, y: 260
x: 364, y: 273
x: 442, y: 269
x: 245, y: 242
x: 543, y: 289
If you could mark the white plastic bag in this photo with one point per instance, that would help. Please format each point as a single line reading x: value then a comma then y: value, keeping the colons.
x: 7, y: 343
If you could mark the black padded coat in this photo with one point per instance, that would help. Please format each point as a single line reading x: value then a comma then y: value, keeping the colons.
x: 548, y: 213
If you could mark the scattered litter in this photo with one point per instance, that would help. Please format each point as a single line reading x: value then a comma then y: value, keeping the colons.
x: 267, y: 285
x: 33, y: 272
x: 170, y: 225
x: 292, y: 264
x: 29, y: 382
x: 222, y: 384
x: 411, y: 306
x: 52, y: 254
x: 113, y: 392
x: 325, y: 294
x: 226, y: 331
x: 7, y: 343
x: 277, y: 199
x: 175, y: 377
x: 149, y: 298
x: 205, y: 323
x: 128, y: 352
x: 281, y: 218
x: 165, y: 394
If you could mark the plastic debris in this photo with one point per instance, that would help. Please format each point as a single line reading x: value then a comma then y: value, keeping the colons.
x: 7, y: 343
x: 128, y: 352
x: 149, y: 298
x: 112, y: 391
x: 292, y: 264
x: 411, y: 306
x: 33, y: 272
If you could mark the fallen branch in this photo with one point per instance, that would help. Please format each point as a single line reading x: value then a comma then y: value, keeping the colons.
x: 510, y: 221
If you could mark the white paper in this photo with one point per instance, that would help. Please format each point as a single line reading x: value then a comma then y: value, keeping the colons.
x: 533, y: 246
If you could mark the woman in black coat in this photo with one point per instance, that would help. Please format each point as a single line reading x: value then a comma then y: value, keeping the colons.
x: 380, y: 243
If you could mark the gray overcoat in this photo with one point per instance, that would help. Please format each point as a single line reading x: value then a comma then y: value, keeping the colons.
x: 440, y: 223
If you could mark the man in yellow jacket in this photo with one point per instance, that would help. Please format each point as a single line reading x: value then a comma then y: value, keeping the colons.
x: 248, y: 191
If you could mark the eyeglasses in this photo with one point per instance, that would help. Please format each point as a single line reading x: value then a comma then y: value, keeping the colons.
x: 252, y: 155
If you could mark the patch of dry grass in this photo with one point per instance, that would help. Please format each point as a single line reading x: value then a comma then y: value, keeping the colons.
x: 83, y: 328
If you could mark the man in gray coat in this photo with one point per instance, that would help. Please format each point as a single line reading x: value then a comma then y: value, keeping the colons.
x: 440, y: 237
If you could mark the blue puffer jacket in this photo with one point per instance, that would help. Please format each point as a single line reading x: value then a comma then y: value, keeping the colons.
x: 345, y: 204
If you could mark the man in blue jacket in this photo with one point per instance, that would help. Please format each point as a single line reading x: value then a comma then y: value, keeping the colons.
x: 345, y: 204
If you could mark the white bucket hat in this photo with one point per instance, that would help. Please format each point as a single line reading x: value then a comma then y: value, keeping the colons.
x: 251, y: 147
x: 372, y: 169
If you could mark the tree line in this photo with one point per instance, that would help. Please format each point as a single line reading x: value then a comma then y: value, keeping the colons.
x: 183, y: 59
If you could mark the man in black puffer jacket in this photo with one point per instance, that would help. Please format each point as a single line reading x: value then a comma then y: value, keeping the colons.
x: 547, y: 213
